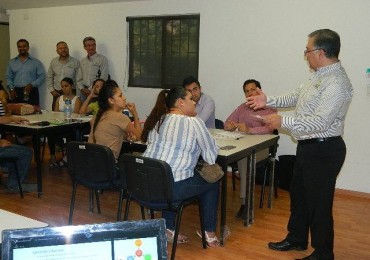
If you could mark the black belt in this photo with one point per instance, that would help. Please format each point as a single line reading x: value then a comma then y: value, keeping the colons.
x: 318, y: 140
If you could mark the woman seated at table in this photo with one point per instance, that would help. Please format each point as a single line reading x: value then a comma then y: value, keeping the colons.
x: 244, y: 120
x: 90, y: 105
x: 109, y: 127
x: 3, y: 100
x: 174, y: 134
x: 67, y: 89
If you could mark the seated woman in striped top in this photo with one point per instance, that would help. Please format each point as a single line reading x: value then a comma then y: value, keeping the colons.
x: 173, y: 129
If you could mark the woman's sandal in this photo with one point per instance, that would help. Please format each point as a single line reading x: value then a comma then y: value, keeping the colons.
x: 181, y: 239
x: 211, y: 241
x: 62, y: 163
x: 54, y: 165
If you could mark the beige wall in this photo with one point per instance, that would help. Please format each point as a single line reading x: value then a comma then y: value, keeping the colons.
x: 239, y: 39
x: 4, y: 50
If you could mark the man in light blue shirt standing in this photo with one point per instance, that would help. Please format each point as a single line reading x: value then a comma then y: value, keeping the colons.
x: 205, y: 105
x: 24, y: 74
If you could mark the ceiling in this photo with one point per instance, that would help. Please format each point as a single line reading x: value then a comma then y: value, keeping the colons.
x: 25, y: 4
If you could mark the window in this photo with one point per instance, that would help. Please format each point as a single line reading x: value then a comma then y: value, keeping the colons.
x: 163, y: 50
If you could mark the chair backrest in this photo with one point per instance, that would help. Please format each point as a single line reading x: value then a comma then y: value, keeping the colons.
x: 219, y: 124
x: 146, y: 179
x: 90, y: 163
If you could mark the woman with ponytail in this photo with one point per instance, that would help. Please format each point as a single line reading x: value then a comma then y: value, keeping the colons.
x: 109, y: 127
x: 174, y: 134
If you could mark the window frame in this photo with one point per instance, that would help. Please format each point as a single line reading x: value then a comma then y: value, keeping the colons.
x: 164, y: 48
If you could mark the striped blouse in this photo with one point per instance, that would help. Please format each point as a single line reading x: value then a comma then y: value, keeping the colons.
x: 321, y: 104
x: 179, y: 142
x: 2, y: 109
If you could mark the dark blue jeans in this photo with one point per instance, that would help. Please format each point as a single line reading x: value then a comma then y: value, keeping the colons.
x: 208, y: 194
x: 23, y: 156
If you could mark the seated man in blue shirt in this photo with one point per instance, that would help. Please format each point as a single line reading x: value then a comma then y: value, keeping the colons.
x: 205, y: 105
x: 21, y: 154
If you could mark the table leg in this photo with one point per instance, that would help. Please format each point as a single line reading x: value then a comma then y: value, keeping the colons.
x: 253, y: 187
x: 223, y: 205
x: 36, y: 150
x: 273, y: 150
x: 249, y: 198
x: 271, y: 181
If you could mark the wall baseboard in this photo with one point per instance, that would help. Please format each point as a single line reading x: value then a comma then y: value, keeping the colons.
x: 342, y: 192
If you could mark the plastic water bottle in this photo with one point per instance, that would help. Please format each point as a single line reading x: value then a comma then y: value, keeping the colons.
x: 67, y: 110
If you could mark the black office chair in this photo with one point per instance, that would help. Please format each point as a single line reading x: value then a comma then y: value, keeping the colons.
x: 219, y: 124
x: 263, y: 166
x: 149, y: 182
x: 94, y: 167
x: 14, y: 162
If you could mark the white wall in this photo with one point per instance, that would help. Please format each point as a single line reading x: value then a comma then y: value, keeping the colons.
x: 239, y: 39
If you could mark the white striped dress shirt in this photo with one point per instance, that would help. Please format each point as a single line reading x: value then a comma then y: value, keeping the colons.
x: 321, y: 104
x: 2, y: 109
x: 179, y: 142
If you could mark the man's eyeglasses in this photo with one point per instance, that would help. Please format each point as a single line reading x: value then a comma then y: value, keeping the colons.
x: 307, y: 51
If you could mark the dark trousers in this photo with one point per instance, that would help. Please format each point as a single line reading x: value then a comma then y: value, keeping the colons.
x: 312, y: 193
x: 33, y: 98
x: 58, y: 139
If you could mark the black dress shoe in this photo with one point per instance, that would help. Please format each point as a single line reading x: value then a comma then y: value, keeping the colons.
x: 286, y: 245
x: 316, y: 256
x: 310, y: 257
x: 307, y: 258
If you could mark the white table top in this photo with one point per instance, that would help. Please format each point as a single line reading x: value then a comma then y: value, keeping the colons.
x: 54, y: 118
x: 241, y: 141
x: 9, y: 220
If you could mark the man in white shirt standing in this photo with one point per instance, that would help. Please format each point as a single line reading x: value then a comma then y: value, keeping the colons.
x: 205, y: 105
x: 321, y: 104
x: 93, y: 66
x: 61, y: 67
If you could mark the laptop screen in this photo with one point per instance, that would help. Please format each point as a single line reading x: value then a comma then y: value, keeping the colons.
x: 117, y: 241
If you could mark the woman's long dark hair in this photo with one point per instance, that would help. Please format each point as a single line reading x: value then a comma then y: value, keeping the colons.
x: 165, y: 101
x: 96, y: 98
x: 107, y: 91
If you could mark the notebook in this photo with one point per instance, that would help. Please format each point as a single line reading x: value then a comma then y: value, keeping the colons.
x: 127, y: 240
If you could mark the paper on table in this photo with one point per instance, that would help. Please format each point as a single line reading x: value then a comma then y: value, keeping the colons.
x: 34, y: 121
x: 225, y: 135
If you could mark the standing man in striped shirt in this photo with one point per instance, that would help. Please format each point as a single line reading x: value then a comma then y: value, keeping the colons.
x: 321, y: 104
